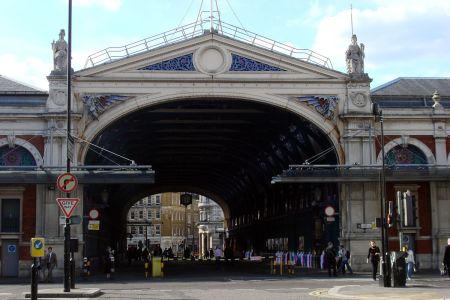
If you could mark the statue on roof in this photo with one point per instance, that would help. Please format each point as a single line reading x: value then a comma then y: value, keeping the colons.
x: 60, y: 53
x: 355, y: 57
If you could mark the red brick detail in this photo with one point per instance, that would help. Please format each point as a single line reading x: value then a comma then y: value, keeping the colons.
x: 428, y: 140
x: 24, y: 253
x: 29, y: 213
x: 394, y: 245
x: 424, y: 247
x: 448, y: 146
x: 36, y: 140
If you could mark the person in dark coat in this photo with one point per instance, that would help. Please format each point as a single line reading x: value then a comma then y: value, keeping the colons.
x: 330, y: 256
x: 446, y: 260
x: 374, y: 257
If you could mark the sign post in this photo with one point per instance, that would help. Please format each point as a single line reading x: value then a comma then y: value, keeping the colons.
x: 37, y: 250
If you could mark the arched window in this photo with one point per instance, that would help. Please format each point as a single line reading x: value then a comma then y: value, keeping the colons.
x: 409, y: 155
x: 18, y: 156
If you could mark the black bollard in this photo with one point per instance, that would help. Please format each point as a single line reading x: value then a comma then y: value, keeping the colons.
x: 72, y: 271
x: 34, y: 280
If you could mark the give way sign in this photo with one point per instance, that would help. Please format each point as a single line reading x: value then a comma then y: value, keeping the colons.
x: 67, y: 205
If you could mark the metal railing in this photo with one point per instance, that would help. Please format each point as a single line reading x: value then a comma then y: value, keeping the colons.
x: 199, y: 28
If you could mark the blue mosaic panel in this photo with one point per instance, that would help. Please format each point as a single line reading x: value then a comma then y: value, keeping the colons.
x: 409, y: 155
x: 181, y: 63
x: 240, y: 63
x: 325, y: 105
x: 97, y: 104
x: 17, y: 156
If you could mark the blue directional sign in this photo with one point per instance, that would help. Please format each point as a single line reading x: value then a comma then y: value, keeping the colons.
x: 38, y: 244
x: 12, y: 248
x: 37, y: 247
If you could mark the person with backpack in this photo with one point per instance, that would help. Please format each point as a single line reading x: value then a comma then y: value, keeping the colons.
x: 330, y: 256
x: 344, y: 255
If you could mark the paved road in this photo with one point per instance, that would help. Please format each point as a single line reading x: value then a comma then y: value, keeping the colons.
x: 243, y: 283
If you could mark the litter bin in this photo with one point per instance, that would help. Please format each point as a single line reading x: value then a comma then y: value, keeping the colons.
x: 398, y: 267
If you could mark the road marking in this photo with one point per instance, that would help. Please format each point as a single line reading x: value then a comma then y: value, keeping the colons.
x: 5, y: 294
x: 299, y: 288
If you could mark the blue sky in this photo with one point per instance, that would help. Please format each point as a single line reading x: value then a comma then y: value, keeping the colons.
x: 403, y: 38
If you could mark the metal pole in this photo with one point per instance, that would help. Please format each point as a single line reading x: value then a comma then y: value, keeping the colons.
x: 69, y: 91
x: 385, y: 270
x: 185, y: 227
x: 34, y: 280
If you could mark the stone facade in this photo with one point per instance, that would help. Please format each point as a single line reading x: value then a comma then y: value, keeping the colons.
x: 208, y: 66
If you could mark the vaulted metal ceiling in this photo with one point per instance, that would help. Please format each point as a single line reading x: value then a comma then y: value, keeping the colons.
x: 231, y: 148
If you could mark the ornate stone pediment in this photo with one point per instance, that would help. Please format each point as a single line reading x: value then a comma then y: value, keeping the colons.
x: 215, y: 55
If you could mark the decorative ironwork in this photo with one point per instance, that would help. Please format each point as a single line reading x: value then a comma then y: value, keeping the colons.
x: 18, y: 156
x: 240, y: 63
x: 97, y: 104
x: 181, y: 63
x: 325, y: 105
x: 410, y: 155
x: 198, y: 28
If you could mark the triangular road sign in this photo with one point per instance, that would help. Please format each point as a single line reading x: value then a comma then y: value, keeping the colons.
x: 67, y: 205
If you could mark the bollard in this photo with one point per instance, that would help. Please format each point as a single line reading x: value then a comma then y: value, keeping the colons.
x: 72, y: 272
x: 146, y: 267
x: 34, y: 280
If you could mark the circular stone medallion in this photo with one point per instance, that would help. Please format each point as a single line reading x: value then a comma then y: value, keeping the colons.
x: 210, y: 60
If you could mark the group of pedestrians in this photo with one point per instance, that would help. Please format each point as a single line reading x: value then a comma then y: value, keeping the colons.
x: 337, y: 262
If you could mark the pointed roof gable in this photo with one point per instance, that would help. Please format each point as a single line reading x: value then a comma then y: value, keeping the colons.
x: 413, y: 86
x: 12, y: 86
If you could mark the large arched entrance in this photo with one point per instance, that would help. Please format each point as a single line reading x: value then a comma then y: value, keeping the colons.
x: 229, y: 150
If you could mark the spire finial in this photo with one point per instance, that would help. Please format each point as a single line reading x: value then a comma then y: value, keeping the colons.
x: 351, y: 17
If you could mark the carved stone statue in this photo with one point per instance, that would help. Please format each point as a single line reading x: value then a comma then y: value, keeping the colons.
x: 60, y: 53
x: 355, y: 57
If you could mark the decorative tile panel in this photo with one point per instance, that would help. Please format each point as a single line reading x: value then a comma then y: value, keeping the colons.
x: 97, y: 104
x: 240, y: 63
x: 181, y: 63
x: 409, y: 155
x: 17, y: 156
x: 325, y: 105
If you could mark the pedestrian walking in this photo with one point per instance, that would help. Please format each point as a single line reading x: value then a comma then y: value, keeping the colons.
x: 51, y: 262
x: 344, y: 255
x: 410, y: 263
x: 108, y: 262
x: 330, y: 256
x: 446, y: 260
x: 374, y: 257
x: 217, y: 256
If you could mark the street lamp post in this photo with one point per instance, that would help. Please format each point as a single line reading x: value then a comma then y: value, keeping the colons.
x: 385, y: 270
x: 67, y: 261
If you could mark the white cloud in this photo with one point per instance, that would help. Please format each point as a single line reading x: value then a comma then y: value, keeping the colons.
x: 397, y: 34
x: 111, y: 5
x: 30, y: 70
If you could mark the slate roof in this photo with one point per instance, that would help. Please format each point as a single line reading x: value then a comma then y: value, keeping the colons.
x: 413, y: 86
x: 412, y: 92
x: 11, y: 86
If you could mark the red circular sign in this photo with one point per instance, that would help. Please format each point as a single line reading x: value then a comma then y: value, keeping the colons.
x: 329, y: 211
x: 94, y: 214
x: 66, y: 182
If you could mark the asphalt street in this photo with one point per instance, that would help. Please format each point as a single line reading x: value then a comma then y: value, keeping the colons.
x: 240, y: 282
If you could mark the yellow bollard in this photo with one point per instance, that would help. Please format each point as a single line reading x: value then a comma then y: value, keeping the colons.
x: 281, y: 266
x: 146, y: 265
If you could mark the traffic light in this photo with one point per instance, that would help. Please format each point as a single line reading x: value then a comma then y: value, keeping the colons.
x: 390, y: 216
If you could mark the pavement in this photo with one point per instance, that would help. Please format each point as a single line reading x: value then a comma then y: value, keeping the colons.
x: 238, y: 281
